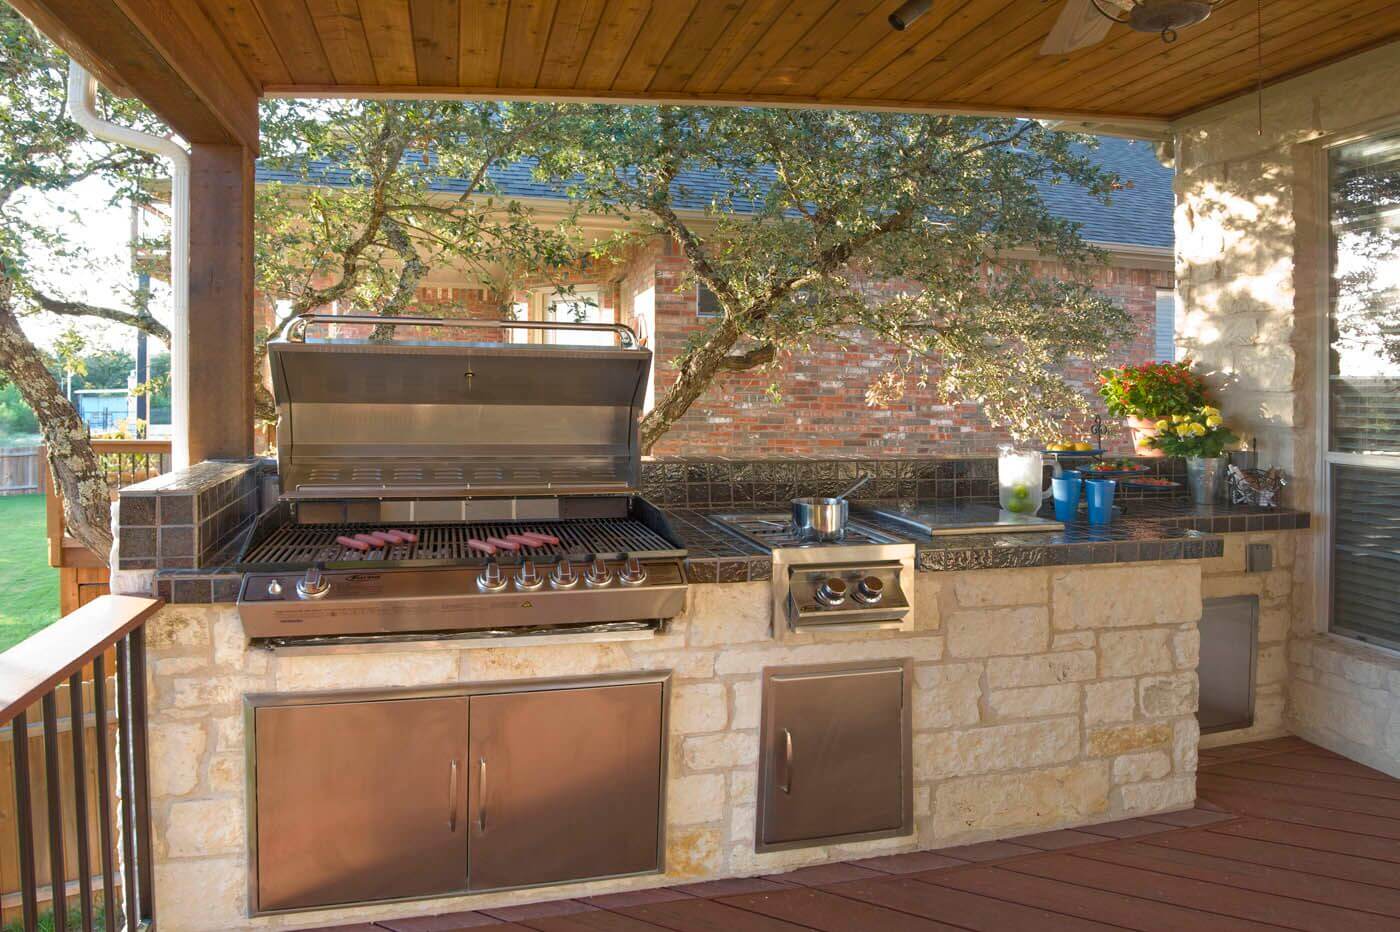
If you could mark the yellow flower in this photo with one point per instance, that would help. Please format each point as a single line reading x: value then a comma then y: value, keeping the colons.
x: 1178, y: 418
x: 1162, y: 424
x: 1182, y: 430
x: 1210, y: 412
x: 1198, y: 429
x: 1214, y: 420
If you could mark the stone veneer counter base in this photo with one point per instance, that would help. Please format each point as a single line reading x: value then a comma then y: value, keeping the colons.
x: 1042, y: 698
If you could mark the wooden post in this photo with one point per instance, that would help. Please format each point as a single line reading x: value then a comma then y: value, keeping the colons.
x: 221, y: 302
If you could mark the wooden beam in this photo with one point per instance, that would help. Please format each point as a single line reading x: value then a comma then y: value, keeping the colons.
x: 167, y: 54
x: 221, y: 302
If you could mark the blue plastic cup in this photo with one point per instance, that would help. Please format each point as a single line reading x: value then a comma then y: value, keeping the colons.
x: 1099, y: 492
x: 1066, y: 488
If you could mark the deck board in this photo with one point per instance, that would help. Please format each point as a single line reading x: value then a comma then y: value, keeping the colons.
x: 1284, y: 835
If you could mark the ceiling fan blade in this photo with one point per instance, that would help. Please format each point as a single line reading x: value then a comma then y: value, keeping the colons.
x: 1079, y: 26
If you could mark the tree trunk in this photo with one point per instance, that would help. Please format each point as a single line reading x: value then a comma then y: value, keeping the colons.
x: 695, y: 373
x: 87, y: 503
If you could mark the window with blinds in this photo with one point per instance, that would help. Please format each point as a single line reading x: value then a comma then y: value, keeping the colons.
x: 1164, y: 326
x: 1363, y: 389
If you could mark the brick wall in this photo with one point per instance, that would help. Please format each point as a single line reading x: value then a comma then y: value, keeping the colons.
x: 820, y: 407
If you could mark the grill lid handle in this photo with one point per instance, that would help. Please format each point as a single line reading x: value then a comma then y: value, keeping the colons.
x: 294, y: 330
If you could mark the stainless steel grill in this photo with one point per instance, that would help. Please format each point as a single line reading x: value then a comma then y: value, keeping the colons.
x: 610, y: 538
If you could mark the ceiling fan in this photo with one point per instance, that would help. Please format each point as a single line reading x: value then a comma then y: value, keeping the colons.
x: 1085, y: 22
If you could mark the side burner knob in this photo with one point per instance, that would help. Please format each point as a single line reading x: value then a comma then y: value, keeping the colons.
x: 598, y: 574
x: 313, y: 585
x: 870, y: 590
x: 528, y: 578
x: 490, y: 579
x: 563, y: 576
x: 832, y: 591
x: 632, y: 572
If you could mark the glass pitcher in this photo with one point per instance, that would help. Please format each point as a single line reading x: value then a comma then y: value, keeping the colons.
x: 1019, y: 475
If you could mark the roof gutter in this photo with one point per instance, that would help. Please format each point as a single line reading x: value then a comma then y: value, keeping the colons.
x: 82, y: 110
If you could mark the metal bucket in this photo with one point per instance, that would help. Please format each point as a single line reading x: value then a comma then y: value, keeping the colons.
x: 820, y: 518
x: 1205, y: 477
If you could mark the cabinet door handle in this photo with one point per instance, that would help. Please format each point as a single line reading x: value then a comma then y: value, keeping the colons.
x: 481, y: 794
x: 787, y: 762
x: 452, y: 797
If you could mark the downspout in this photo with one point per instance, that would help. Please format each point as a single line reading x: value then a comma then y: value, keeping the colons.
x: 82, y: 109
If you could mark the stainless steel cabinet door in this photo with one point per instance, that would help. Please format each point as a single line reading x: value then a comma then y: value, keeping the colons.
x: 836, y: 755
x: 360, y: 801
x: 565, y: 784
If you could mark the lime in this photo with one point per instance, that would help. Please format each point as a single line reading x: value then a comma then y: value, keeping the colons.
x: 1019, y: 490
x: 1018, y: 507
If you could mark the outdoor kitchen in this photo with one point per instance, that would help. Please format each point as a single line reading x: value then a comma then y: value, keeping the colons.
x: 462, y: 642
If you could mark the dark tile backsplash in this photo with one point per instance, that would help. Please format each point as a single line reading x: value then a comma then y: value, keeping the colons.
x: 181, y: 520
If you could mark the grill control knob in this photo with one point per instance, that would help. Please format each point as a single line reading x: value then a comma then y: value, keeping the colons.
x: 870, y: 590
x: 313, y: 585
x: 632, y: 572
x: 490, y: 579
x: 832, y: 591
x: 274, y: 588
x: 527, y: 578
x: 563, y: 576
x: 598, y: 574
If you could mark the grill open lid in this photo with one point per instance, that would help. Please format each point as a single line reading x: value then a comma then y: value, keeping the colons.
x: 361, y: 418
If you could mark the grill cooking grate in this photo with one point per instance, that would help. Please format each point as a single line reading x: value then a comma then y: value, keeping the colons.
x: 305, y: 544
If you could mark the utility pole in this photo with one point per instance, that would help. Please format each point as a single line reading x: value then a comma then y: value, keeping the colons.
x: 143, y: 299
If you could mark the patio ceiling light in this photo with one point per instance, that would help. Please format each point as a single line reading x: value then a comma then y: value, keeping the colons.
x: 904, y: 17
x: 1159, y: 16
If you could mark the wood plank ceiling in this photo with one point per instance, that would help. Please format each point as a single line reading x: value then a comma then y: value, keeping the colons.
x: 977, y: 55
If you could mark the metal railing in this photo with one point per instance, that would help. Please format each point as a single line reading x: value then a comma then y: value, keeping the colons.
x: 98, y: 648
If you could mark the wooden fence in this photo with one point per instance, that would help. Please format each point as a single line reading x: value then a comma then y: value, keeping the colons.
x: 21, y: 470
x: 82, y: 576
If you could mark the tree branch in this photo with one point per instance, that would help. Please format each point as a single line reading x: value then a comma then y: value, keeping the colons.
x: 742, y: 362
x: 140, y: 320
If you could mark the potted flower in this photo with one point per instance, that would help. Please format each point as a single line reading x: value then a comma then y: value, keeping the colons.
x: 1146, y: 393
x: 1201, y: 437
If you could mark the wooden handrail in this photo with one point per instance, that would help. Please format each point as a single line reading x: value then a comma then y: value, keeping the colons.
x: 130, y: 446
x: 32, y: 668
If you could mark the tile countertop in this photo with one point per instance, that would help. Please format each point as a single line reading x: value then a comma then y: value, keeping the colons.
x: 1144, y: 530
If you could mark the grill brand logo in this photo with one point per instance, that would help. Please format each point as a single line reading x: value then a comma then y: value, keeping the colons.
x: 362, y: 577
x: 527, y: 604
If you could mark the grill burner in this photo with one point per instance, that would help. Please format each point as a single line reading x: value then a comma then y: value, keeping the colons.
x: 611, y: 538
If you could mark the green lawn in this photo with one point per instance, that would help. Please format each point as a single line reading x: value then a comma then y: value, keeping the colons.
x: 28, y: 585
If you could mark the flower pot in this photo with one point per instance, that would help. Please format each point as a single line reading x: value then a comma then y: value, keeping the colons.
x: 1205, y: 477
x: 1144, y: 429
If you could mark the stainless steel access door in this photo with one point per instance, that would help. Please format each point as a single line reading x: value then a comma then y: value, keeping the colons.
x: 565, y: 784
x: 835, y: 754
x: 360, y: 801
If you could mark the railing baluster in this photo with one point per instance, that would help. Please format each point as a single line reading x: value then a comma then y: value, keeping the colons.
x: 142, y: 786
x: 128, y: 807
x: 58, y: 882
x: 24, y: 821
x: 80, y: 807
x: 104, y: 791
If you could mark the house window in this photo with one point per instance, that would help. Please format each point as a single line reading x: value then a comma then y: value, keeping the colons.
x: 706, y: 302
x: 582, y: 305
x: 1164, y: 326
x: 1361, y: 356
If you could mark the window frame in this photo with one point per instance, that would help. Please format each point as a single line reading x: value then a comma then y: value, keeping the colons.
x: 1326, y: 458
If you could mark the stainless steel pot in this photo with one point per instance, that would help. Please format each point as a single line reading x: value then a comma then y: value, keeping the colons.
x: 820, y: 518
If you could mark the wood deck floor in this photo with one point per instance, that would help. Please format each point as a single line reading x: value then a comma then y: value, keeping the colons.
x: 1287, y: 835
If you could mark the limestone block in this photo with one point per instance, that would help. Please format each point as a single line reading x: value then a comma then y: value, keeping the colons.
x: 1326, y: 710
x: 1231, y: 561
x: 695, y: 799
x: 175, y: 666
x: 228, y: 732
x: 1132, y: 653
x: 1273, y: 623
x: 1124, y: 738
x: 687, y: 663
x: 732, y: 613
x: 1035, y: 701
x: 200, y: 691
x: 747, y: 703
x: 1110, y: 701
x: 1272, y: 665
x: 1301, y: 653
x: 1023, y: 802
x: 357, y: 671
x: 1158, y: 795
x: 1042, y: 670
x: 1186, y: 742
x: 743, y: 824
x: 1186, y: 648
x: 201, y: 895
x: 1127, y: 596
x: 692, y: 853
x: 698, y: 707
x: 998, y: 632
x: 1168, y: 695
x: 226, y: 774
x: 509, y: 663
x: 927, y: 589
x: 1072, y: 640
x: 177, y: 628
x: 203, y: 827
x: 231, y: 647
x: 752, y: 660
x: 176, y: 752
x: 1143, y: 765
x: 947, y: 695
x: 721, y: 752
x: 743, y: 787
x: 995, y: 747
x: 1221, y: 587
x: 984, y: 588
